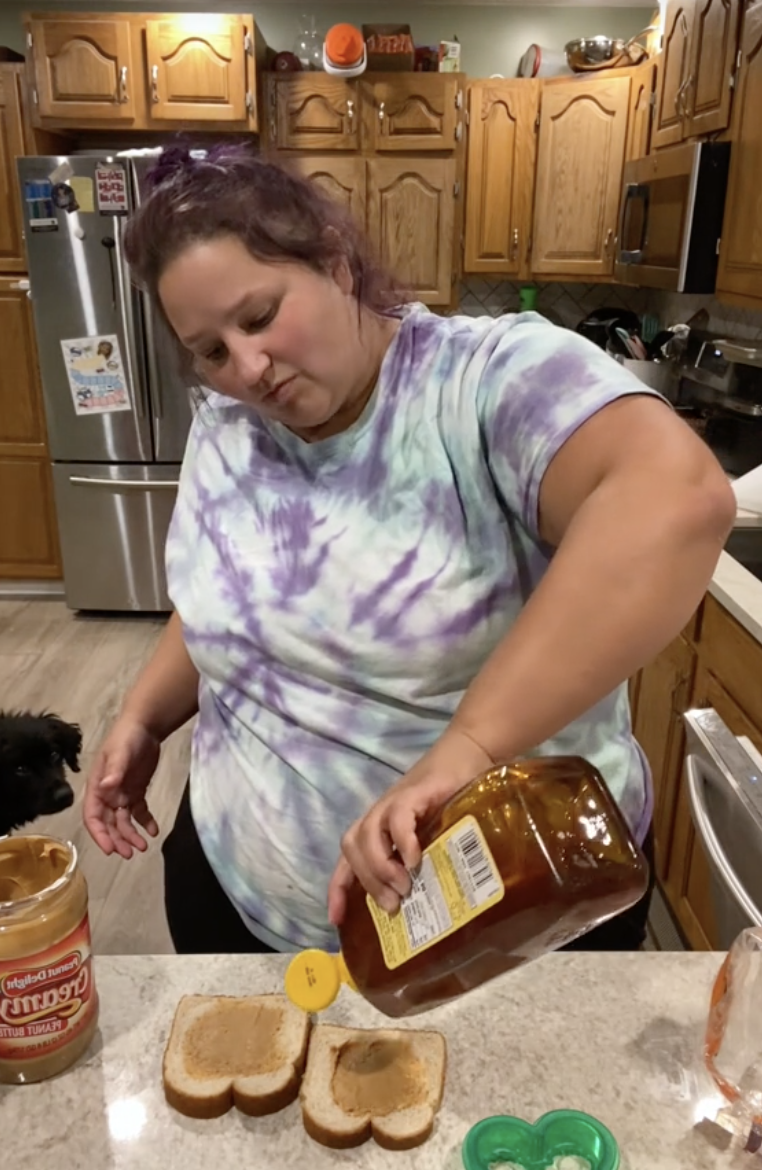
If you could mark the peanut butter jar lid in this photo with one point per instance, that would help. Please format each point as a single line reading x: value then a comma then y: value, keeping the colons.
x: 564, y: 1140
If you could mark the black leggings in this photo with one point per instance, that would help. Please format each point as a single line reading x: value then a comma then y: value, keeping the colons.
x: 203, y: 921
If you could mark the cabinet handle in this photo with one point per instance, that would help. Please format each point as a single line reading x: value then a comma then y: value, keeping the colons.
x: 686, y: 89
x: 381, y: 112
x: 458, y: 131
x: 515, y: 244
x: 155, y: 84
x: 351, y: 113
x: 123, y: 95
x: 459, y: 100
x: 20, y: 285
x: 609, y: 239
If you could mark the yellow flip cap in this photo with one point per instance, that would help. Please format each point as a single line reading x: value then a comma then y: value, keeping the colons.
x: 314, y: 979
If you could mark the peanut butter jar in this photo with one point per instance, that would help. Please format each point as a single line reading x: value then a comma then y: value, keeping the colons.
x: 48, y: 1000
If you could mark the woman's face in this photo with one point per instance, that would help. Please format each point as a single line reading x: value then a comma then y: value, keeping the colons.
x: 278, y: 337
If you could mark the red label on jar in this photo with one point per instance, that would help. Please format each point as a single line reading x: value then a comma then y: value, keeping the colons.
x: 47, y: 999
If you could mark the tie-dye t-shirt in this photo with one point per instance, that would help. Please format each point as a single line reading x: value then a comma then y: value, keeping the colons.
x: 339, y: 597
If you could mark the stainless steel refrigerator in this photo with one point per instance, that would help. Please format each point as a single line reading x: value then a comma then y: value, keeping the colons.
x: 117, y: 413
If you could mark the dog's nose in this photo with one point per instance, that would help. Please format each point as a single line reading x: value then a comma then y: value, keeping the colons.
x: 60, y: 798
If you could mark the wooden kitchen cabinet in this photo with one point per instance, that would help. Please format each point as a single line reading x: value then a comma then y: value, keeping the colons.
x: 313, y: 111
x: 195, y: 68
x: 663, y: 696
x: 696, y: 77
x: 83, y: 69
x: 412, y: 112
x: 673, y: 73
x: 739, y: 277
x: 642, y: 102
x: 28, y: 533
x: 502, y: 147
x: 411, y: 214
x: 12, y: 258
x: 144, y: 71
x: 341, y: 177
x: 714, y: 45
x: 583, y: 131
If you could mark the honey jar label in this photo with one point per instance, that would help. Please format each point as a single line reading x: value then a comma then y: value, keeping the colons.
x: 47, y: 999
x: 456, y: 881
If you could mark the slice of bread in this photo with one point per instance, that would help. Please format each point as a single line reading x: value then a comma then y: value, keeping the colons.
x: 224, y: 1051
x: 385, y: 1083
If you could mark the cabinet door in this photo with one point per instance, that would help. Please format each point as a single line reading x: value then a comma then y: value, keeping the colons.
x: 314, y: 112
x: 412, y: 111
x: 83, y: 68
x: 709, y: 89
x: 689, y: 880
x: 28, y: 535
x: 583, y: 128
x: 11, y: 146
x: 674, y: 71
x: 341, y: 177
x: 502, y: 145
x: 740, y: 270
x: 411, y: 217
x: 642, y: 100
x: 196, y: 68
x: 662, y: 697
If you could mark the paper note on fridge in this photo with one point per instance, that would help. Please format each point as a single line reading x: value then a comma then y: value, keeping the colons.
x: 748, y: 490
x: 96, y: 374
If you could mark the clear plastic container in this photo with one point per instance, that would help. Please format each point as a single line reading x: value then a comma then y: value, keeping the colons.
x: 524, y: 860
x: 733, y: 1043
x: 48, y: 1000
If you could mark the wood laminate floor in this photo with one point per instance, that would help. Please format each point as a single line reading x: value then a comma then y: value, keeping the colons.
x: 80, y: 667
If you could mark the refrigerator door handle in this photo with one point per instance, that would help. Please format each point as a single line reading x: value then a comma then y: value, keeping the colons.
x: 126, y: 312
x: 154, y: 379
x: 130, y: 485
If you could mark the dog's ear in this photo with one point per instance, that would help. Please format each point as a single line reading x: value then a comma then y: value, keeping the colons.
x: 67, y: 739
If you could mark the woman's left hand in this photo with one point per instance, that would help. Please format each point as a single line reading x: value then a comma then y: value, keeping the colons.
x: 382, y: 846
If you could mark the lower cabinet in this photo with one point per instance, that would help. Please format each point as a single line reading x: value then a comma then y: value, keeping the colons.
x: 715, y: 663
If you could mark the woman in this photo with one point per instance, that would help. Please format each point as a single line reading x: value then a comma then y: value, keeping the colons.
x: 405, y: 547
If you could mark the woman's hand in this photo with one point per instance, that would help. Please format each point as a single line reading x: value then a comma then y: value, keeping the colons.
x: 368, y: 847
x: 115, y: 796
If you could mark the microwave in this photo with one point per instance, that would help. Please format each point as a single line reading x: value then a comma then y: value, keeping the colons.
x: 670, y: 219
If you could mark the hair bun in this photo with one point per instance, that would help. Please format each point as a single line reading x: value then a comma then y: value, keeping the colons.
x: 172, y: 162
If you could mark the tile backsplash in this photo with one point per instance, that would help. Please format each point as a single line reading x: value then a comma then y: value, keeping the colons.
x: 567, y: 304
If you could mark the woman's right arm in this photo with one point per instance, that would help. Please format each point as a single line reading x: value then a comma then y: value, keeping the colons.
x: 165, y: 695
x: 163, y: 699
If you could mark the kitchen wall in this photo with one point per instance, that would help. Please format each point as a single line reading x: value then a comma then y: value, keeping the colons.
x: 567, y: 304
x: 493, y: 37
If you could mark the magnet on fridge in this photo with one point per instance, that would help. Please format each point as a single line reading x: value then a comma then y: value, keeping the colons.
x: 78, y: 233
x: 63, y: 197
x: 62, y: 172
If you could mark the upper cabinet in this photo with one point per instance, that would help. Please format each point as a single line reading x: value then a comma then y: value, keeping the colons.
x: 583, y: 129
x: 501, y: 162
x: 411, y: 217
x: 11, y: 146
x: 313, y: 111
x: 740, y: 271
x: 144, y: 71
x: 195, y: 68
x: 697, y: 73
x: 83, y: 68
x: 340, y: 177
x: 413, y: 111
x: 642, y: 101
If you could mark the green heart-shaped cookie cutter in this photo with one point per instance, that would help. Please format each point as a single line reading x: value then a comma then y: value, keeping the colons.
x: 565, y: 1133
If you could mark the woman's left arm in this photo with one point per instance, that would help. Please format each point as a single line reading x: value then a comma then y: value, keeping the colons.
x: 638, y: 510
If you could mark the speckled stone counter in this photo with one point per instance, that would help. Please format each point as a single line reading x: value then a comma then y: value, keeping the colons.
x: 618, y: 1036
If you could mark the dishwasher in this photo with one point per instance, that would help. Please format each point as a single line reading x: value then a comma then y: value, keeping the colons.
x: 724, y: 777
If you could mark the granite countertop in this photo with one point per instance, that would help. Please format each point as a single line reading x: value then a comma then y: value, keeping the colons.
x: 615, y: 1035
x: 735, y: 587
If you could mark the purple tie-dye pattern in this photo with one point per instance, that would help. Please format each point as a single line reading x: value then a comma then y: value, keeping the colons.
x: 339, y: 597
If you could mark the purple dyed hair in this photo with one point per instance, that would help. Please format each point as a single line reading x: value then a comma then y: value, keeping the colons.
x: 277, y: 215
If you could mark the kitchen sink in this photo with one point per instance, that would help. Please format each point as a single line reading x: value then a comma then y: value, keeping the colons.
x: 745, y: 544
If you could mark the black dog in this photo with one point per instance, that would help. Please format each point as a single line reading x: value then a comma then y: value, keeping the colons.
x: 33, y: 751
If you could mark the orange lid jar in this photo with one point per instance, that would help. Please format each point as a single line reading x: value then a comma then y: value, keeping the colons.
x: 48, y: 1000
